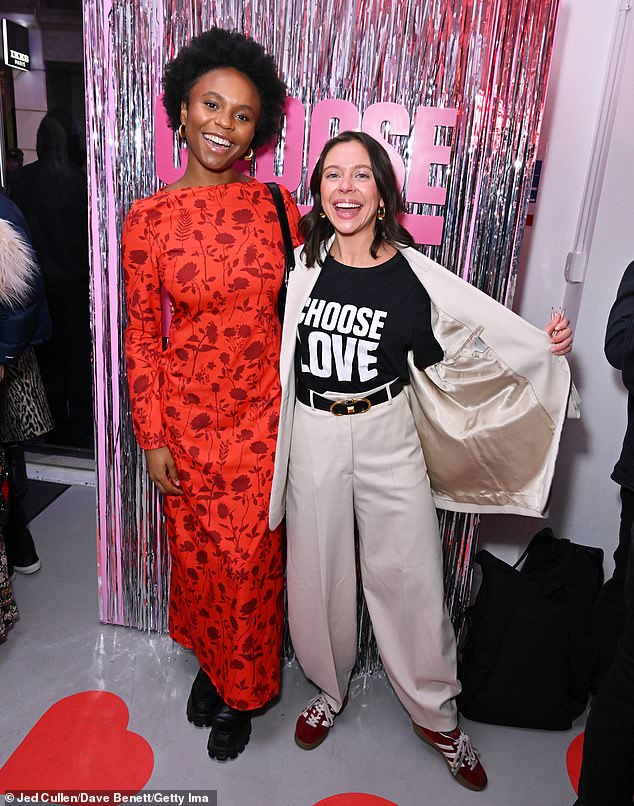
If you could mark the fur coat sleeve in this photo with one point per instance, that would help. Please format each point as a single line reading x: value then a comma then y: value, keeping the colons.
x: 24, y: 319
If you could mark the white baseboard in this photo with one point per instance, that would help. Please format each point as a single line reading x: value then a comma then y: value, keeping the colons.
x: 61, y: 474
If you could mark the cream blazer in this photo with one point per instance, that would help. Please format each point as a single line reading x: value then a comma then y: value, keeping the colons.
x: 489, y: 415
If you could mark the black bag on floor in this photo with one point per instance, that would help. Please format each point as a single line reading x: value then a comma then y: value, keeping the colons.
x: 529, y: 653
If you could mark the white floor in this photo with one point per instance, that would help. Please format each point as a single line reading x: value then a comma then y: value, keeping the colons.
x: 59, y: 648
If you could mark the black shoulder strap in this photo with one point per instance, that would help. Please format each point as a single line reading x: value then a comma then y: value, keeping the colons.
x: 286, y: 230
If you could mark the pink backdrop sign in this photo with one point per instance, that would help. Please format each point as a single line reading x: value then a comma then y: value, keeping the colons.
x: 426, y: 229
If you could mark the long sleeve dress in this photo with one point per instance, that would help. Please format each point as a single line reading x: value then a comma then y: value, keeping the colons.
x: 212, y: 396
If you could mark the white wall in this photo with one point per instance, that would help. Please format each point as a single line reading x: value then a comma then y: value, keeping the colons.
x: 585, y: 504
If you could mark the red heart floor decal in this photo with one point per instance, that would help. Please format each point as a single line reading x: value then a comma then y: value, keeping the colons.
x: 355, y: 799
x: 573, y: 761
x: 81, y: 742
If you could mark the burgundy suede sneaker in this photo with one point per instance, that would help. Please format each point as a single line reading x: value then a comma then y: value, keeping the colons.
x: 461, y: 758
x: 315, y: 722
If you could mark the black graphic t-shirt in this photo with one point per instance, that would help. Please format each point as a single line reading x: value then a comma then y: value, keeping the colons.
x: 358, y: 325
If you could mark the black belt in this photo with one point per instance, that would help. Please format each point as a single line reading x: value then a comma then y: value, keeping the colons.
x: 354, y: 405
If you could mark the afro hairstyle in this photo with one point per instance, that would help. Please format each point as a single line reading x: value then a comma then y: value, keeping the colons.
x: 218, y: 48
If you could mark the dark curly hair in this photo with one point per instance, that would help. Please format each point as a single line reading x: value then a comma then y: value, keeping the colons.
x: 316, y: 230
x: 219, y: 48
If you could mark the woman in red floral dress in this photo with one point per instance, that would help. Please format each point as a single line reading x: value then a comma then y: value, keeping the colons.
x: 206, y: 408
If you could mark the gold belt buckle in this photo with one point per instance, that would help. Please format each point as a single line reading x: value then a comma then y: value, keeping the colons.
x: 350, y: 406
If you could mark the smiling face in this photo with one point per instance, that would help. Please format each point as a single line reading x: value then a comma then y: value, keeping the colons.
x: 349, y: 195
x: 220, y: 119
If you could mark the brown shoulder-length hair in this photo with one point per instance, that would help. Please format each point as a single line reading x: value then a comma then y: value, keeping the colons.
x: 316, y: 230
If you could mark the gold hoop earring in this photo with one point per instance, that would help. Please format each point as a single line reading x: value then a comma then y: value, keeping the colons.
x: 181, y: 132
x: 249, y: 155
x: 322, y: 214
x: 380, y: 213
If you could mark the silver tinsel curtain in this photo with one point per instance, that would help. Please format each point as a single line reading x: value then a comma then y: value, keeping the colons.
x: 487, y: 59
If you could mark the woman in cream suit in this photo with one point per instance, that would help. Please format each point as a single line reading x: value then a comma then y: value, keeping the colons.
x: 403, y: 388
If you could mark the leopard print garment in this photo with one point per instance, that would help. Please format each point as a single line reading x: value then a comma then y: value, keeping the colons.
x: 8, y: 609
x: 24, y: 411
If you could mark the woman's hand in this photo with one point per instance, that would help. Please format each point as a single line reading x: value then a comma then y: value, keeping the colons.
x: 162, y: 470
x: 1, y: 371
x: 560, y: 333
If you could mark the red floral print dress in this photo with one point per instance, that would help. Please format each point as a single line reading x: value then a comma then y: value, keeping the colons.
x: 213, y: 396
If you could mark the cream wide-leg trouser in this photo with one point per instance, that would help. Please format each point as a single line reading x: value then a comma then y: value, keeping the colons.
x: 370, y: 466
